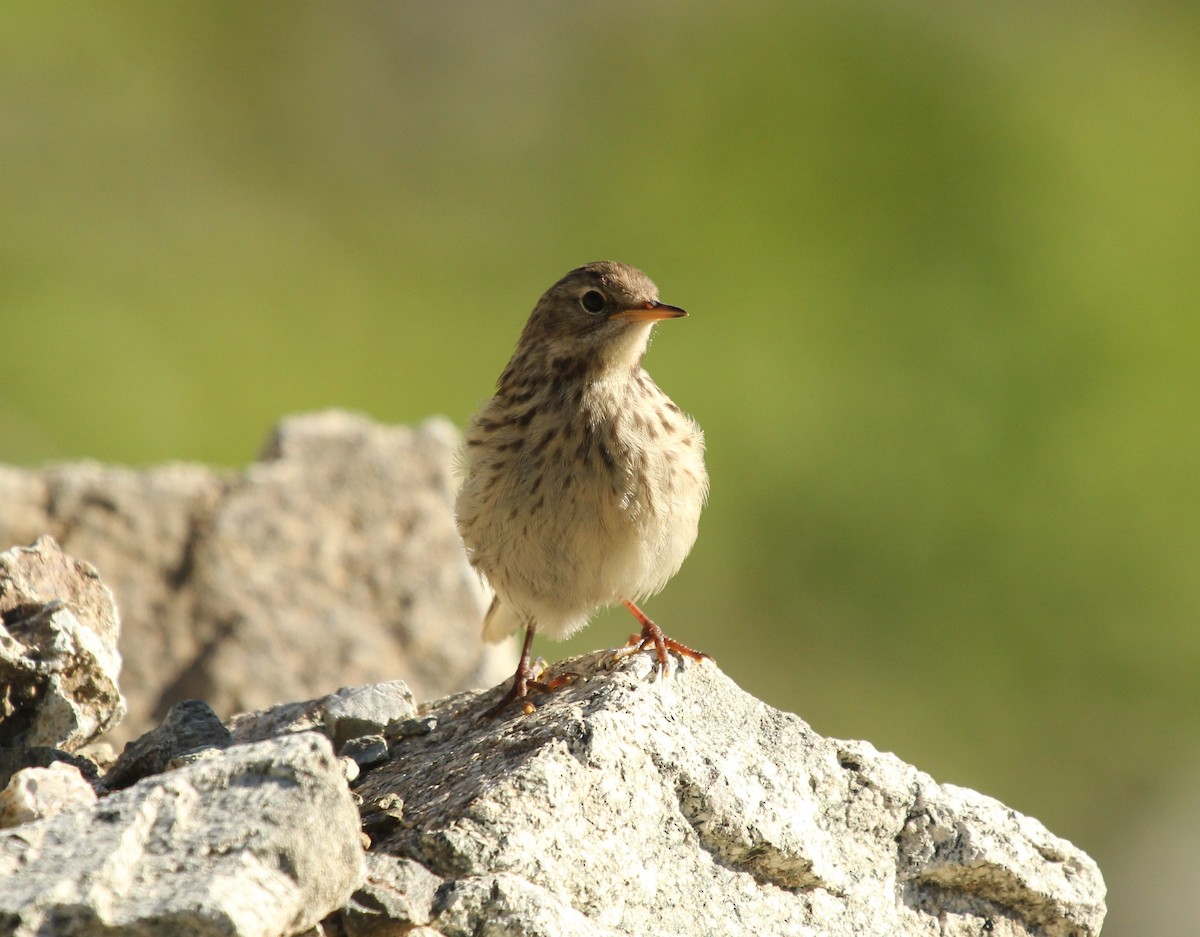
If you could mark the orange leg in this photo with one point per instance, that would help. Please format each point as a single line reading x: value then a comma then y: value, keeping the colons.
x: 523, y: 681
x: 653, y: 635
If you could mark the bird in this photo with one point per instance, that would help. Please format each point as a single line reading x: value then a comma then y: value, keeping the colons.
x: 583, y: 482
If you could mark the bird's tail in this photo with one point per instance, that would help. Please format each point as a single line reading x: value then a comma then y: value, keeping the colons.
x: 500, y: 621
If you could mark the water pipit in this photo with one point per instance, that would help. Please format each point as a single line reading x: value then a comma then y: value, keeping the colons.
x: 584, y: 481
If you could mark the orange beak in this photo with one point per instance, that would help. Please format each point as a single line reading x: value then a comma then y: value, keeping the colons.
x: 649, y: 312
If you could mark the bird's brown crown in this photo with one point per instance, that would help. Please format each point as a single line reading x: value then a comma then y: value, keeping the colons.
x: 599, y: 314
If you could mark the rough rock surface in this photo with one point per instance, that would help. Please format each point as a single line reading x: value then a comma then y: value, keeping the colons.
x: 368, y: 710
x: 13, y: 760
x: 620, y: 805
x: 189, y: 727
x: 333, y: 560
x: 58, y: 650
x: 263, y: 840
x: 33, y: 793
x: 629, y: 806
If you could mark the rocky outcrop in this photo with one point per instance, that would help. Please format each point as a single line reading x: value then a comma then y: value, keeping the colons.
x: 36, y: 792
x: 619, y: 804
x: 261, y: 840
x: 58, y: 650
x: 625, y: 805
x: 332, y: 560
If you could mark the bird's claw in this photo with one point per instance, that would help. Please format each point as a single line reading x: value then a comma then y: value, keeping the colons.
x: 524, y: 685
x: 652, y: 636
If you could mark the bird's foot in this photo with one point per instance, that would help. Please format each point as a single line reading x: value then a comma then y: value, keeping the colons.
x: 527, y: 681
x: 652, y: 635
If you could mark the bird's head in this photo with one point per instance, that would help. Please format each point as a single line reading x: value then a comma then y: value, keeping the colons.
x: 602, y: 312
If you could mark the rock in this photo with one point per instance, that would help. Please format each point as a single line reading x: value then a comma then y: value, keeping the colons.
x: 337, y: 557
x: 513, y: 905
x: 33, y: 793
x: 366, y: 751
x: 623, y: 805
x: 620, y: 805
x: 262, y: 840
x: 396, y: 891
x: 349, y: 713
x: 277, y: 721
x: 351, y: 772
x: 58, y: 650
x: 191, y: 757
x: 333, y: 560
x: 13, y: 760
x: 139, y: 529
x: 353, y: 712
x: 189, y: 727
x: 406, y: 728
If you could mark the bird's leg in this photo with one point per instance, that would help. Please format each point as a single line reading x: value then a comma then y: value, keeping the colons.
x: 523, y: 680
x: 520, y: 684
x: 652, y: 634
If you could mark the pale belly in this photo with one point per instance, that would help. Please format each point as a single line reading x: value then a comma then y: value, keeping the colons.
x: 575, y: 531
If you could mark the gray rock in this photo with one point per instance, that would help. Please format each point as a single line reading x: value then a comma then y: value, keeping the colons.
x: 333, y: 560
x: 13, y: 760
x: 620, y: 805
x: 140, y: 530
x: 406, y: 728
x: 188, y: 758
x: 684, y: 806
x: 366, y: 751
x: 332, y: 557
x: 398, y: 892
x: 58, y: 650
x: 352, y: 712
x: 508, y: 905
x: 189, y: 727
x: 276, y: 721
x: 348, y: 713
x: 33, y: 793
x: 263, y: 840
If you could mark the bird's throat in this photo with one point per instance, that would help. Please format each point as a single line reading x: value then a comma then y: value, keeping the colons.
x: 624, y: 351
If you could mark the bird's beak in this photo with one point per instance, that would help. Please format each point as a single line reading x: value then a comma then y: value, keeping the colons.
x: 649, y: 312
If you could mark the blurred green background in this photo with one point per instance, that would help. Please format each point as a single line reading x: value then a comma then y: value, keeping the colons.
x: 943, y: 264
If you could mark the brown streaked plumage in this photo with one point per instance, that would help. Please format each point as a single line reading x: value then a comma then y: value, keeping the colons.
x: 584, y: 481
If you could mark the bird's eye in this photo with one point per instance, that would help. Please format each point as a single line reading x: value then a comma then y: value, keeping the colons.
x: 592, y: 301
